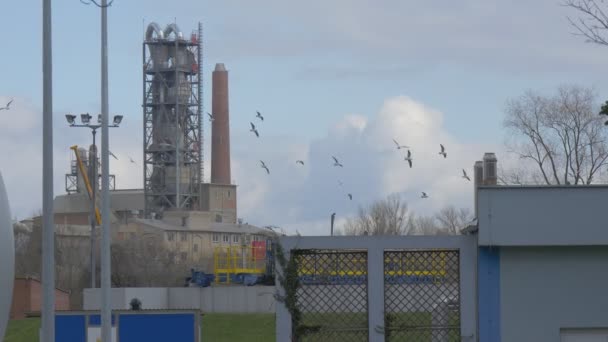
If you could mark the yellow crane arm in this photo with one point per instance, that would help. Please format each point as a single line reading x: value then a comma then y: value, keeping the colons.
x: 86, y: 181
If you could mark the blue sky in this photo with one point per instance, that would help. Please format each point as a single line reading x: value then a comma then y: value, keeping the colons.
x: 315, y: 69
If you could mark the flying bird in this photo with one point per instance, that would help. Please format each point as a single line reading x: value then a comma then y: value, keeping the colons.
x: 465, y: 176
x: 409, y: 158
x: 399, y: 146
x: 8, y: 105
x: 443, y: 153
x: 263, y: 166
x: 340, y: 183
x: 336, y: 162
x: 259, y: 116
x: 424, y: 195
x: 300, y: 162
x: 112, y: 154
x: 211, y: 118
x: 132, y: 161
x: 254, y: 130
x: 350, y: 196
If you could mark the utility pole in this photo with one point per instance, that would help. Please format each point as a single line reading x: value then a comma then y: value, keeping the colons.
x: 48, y: 226
x: 106, y: 295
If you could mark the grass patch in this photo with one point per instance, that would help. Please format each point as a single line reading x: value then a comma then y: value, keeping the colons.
x: 23, y: 330
x: 238, y: 327
x: 215, y: 328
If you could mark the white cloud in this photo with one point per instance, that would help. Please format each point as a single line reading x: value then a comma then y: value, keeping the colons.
x: 303, y: 198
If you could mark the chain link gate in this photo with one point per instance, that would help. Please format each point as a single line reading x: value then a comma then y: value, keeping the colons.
x: 332, y: 295
x: 422, y: 295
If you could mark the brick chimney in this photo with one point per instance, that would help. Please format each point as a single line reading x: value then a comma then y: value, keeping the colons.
x: 220, y: 127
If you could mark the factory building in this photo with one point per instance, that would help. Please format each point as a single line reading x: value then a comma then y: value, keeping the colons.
x: 174, y: 200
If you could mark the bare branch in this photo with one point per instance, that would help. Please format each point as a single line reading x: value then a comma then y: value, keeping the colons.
x: 594, y: 21
x: 96, y: 3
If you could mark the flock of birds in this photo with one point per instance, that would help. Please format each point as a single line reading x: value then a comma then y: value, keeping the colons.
x: 408, y: 158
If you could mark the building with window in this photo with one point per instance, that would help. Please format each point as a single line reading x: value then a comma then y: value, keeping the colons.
x: 195, y: 244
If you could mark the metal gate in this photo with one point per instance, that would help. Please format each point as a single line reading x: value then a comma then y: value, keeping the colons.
x: 332, y: 295
x: 382, y: 288
x: 422, y: 295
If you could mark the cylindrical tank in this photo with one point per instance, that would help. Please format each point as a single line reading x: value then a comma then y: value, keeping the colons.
x: 490, y: 174
x: 220, y: 128
x: 7, y: 259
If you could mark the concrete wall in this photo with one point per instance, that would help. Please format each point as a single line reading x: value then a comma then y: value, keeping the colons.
x: 229, y: 299
x: 92, y: 299
x: 543, y: 289
x: 542, y: 216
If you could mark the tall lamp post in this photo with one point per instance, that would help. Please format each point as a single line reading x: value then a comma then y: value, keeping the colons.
x: 86, y: 122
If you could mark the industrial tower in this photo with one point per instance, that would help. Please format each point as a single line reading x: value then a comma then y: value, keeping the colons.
x: 172, y: 109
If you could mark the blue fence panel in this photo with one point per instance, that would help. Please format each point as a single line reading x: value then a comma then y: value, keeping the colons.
x: 157, y: 327
x: 70, y: 328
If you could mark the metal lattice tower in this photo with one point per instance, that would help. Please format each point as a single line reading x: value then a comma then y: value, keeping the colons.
x: 172, y: 109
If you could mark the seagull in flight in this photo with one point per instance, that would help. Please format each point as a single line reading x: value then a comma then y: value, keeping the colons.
x: 254, y: 130
x: 259, y: 116
x: 340, y: 183
x: 465, y: 176
x: 112, y: 154
x: 424, y: 195
x: 8, y: 105
x: 336, y: 162
x: 350, y: 196
x: 211, y: 118
x: 399, y: 146
x: 263, y: 166
x: 443, y: 153
x: 409, y: 158
x: 132, y: 161
x: 300, y: 162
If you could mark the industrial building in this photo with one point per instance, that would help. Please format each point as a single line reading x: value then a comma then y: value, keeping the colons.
x: 192, y: 217
x: 542, y: 252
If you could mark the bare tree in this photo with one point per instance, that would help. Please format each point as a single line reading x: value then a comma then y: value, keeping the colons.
x: 424, y: 225
x: 145, y: 261
x: 593, y: 21
x: 561, y: 136
x: 452, y: 220
x: 384, y: 217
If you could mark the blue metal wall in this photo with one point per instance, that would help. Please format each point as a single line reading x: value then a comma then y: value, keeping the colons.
x: 489, y: 294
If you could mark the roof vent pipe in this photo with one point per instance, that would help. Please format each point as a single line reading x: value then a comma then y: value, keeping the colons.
x: 477, y: 181
x: 490, y: 175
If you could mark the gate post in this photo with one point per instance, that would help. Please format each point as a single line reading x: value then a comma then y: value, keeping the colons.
x: 375, y: 292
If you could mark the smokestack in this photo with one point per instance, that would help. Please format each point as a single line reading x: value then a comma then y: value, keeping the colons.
x: 220, y: 127
x: 477, y: 181
x: 489, y: 169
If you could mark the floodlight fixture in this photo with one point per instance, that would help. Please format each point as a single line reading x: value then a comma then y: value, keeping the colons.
x: 85, y: 118
x: 71, y: 119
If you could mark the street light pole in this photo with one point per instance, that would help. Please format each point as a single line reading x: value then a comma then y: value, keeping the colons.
x: 106, y: 295
x: 48, y: 226
x: 93, y: 178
